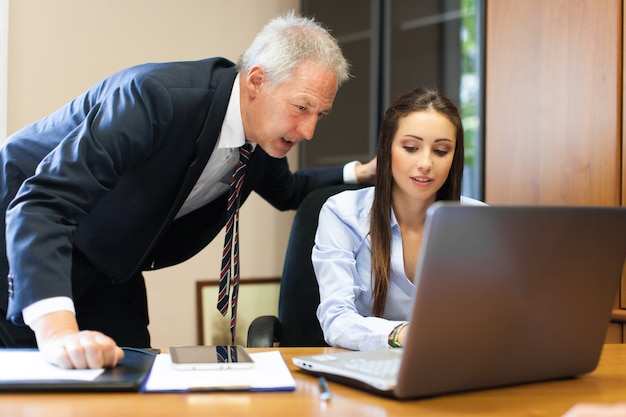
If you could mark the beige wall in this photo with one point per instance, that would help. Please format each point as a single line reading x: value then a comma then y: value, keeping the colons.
x: 58, y: 48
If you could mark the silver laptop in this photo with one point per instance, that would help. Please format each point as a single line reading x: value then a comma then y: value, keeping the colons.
x: 504, y: 295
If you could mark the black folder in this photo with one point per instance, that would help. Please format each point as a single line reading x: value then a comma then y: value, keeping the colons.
x: 128, y: 375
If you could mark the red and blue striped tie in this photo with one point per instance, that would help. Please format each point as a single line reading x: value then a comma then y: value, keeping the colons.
x: 231, y: 243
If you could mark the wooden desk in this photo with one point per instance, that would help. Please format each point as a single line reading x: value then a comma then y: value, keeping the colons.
x: 606, y: 384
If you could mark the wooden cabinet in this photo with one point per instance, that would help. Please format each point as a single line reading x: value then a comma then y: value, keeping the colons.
x: 554, y: 108
x: 553, y: 102
x: 618, y: 326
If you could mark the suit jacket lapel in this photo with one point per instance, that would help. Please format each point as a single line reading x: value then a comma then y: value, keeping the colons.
x: 207, y: 139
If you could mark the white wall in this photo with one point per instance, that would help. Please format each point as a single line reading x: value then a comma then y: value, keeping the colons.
x: 58, y: 48
x: 4, y: 55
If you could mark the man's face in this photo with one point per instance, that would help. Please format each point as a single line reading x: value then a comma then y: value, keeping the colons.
x: 280, y: 117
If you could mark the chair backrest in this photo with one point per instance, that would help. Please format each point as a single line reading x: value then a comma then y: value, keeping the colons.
x: 299, y: 293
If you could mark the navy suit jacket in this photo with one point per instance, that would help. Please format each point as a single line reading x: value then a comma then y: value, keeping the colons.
x: 106, y: 174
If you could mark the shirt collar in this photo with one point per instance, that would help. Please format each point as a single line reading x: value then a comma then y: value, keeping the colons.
x: 232, y: 135
x: 394, y: 221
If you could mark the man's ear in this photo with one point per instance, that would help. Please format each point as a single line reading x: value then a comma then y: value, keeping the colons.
x: 255, y: 79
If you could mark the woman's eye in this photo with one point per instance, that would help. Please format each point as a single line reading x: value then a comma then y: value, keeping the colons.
x: 410, y: 148
x: 441, y: 152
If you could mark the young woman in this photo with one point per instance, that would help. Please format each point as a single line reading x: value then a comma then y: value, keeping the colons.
x: 368, y: 240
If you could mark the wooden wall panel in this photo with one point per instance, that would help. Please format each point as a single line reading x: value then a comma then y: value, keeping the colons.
x: 553, y: 102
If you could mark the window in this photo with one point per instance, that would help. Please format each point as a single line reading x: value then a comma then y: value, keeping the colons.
x: 394, y: 46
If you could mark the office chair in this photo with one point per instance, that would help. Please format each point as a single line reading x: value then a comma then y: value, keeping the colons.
x: 297, y: 324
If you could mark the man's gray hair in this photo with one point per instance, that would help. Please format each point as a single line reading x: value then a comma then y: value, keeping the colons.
x: 288, y: 40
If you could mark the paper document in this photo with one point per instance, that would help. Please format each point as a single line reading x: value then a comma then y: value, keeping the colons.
x: 29, y: 365
x: 270, y: 373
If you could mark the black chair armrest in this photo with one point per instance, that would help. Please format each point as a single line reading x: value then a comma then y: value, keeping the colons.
x: 264, y: 331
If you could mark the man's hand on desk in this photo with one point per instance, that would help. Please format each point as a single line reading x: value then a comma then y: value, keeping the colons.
x: 64, y: 345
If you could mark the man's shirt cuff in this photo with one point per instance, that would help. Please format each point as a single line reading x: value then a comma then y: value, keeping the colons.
x: 45, y: 306
x: 349, y: 174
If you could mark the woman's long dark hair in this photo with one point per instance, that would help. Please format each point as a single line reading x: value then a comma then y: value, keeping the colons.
x: 420, y: 99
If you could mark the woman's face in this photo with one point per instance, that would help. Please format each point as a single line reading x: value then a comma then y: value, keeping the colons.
x: 422, y: 152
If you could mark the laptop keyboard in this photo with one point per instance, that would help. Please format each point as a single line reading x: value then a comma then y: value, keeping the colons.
x: 376, y: 367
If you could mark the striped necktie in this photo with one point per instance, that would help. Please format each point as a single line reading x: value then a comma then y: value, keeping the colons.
x: 231, y: 243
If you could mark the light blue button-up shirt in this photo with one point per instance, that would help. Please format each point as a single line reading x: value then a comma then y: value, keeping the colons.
x: 342, y: 262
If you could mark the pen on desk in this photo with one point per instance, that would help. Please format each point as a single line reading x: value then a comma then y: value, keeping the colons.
x: 325, y: 393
